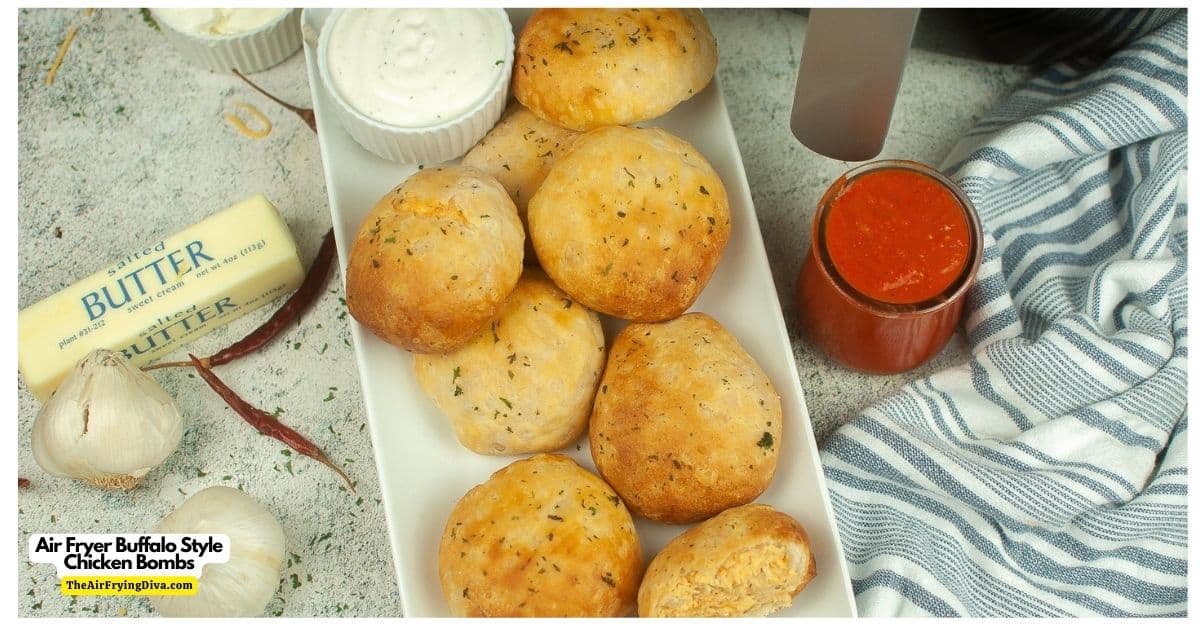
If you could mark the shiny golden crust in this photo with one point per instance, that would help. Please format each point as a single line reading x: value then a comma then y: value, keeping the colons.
x: 525, y: 382
x: 686, y: 424
x: 746, y: 561
x: 434, y: 259
x: 519, y: 152
x: 631, y: 223
x: 542, y: 537
x: 587, y: 68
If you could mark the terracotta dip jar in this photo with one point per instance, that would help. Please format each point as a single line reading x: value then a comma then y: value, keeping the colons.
x: 895, y: 246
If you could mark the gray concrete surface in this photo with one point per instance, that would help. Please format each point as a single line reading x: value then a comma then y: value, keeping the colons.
x: 129, y: 144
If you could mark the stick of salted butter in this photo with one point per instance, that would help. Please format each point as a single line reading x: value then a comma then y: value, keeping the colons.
x: 171, y: 292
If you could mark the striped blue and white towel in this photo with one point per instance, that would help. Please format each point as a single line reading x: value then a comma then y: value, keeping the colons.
x: 1048, y: 475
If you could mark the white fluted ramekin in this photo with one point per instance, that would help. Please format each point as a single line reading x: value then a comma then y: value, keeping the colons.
x: 426, y: 144
x: 251, y: 51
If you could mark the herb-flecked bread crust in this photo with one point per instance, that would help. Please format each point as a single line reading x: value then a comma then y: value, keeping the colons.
x: 525, y: 382
x: 542, y: 537
x: 587, y: 68
x: 519, y: 152
x: 685, y: 424
x: 631, y: 223
x: 434, y: 259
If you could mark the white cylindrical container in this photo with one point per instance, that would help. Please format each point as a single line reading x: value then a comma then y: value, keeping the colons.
x: 417, y: 85
x: 249, y: 40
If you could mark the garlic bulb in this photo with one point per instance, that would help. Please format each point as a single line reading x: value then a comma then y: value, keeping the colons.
x: 108, y: 423
x: 243, y: 586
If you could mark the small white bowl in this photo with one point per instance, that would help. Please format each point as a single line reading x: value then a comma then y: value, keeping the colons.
x: 419, y: 144
x: 251, y: 51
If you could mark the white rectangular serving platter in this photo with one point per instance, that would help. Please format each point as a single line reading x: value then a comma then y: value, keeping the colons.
x: 423, y: 470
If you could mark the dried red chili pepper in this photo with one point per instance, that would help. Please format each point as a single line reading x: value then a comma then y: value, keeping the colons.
x: 289, y: 312
x: 309, y: 117
x: 23, y: 483
x: 265, y: 423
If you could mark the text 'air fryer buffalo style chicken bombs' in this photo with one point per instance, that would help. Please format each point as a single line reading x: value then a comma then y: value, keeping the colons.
x: 631, y: 223
x: 749, y: 560
x: 434, y: 259
x: 587, y: 68
x: 686, y: 423
x: 525, y: 382
x: 542, y: 537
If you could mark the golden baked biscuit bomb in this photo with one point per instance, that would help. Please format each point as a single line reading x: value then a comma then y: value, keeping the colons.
x: 631, y: 223
x: 519, y: 152
x: 434, y: 259
x: 542, y: 537
x: 750, y: 560
x: 525, y: 382
x: 686, y: 423
x: 587, y: 68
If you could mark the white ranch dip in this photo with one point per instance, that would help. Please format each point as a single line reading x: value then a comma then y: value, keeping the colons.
x: 416, y: 67
x: 217, y: 22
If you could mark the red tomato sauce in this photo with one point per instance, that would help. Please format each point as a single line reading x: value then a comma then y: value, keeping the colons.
x: 895, y: 246
x: 897, y: 236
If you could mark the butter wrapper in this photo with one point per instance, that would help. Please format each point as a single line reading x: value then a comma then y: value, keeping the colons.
x: 155, y: 298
